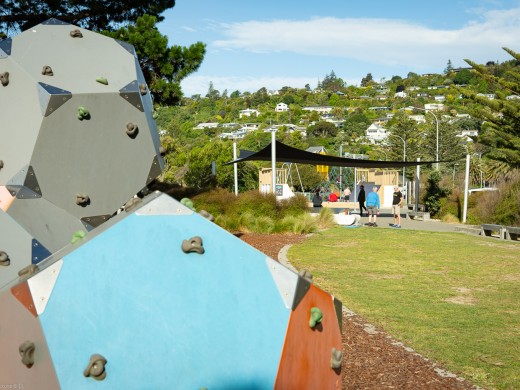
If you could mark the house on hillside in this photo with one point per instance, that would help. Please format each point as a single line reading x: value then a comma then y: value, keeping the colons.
x: 318, y: 109
x: 281, y: 107
x: 248, y: 112
x: 376, y: 133
x: 206, y: 125
x: 434, y: 107
x: 418, y: 118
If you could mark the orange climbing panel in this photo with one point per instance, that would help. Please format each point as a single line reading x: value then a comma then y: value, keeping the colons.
x: 306, y: 356
x: 5, y: 198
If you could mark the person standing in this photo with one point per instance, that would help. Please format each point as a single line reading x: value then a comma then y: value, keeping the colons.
x: 361, y: 199
x: 346, y: 194
x: 373, y: 206
x: 397, y: 200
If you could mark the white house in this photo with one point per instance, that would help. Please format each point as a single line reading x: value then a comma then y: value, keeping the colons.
x: 440, y: 98
x: 281, y: 107
x: 418, y: 118
x: 248, y: 112
x: 434, y: 107
x: 206, y: 125
x: 376, y: 133
x: 318, y: 109
x: 401, y: 94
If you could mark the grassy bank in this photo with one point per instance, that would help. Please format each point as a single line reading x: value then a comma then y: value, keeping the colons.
x: 452, y: 297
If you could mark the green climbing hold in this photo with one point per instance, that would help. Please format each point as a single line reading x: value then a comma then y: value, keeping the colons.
x: 316, y: 317
x: 188, y: 203
x: 80, y: 234
x: 83, y: 113
x: 102, y: 80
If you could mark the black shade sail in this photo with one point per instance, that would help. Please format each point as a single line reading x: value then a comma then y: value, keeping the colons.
x: 287, y: 154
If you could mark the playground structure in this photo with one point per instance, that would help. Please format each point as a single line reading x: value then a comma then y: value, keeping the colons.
x: 103, y: 285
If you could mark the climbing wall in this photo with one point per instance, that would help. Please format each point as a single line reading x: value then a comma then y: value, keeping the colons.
x: 77, y: 139
x: 149, y: 296
x: 164, y: 298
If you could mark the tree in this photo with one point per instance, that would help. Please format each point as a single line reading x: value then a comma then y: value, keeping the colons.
x: 323, y: 129
x: 367, y: 80
x: 163, y: 67
x: 501, y: 131
x: 94, y: 15
x: 449, y: 68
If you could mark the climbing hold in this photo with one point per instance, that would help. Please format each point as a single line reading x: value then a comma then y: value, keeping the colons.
x: 26, y: 350
x: 83, y: 113
x: 207, y: 215
x: 4, y: 259
x: 143, y: 89
x: 28, y: 271
x: 132, y: 130
x: 47, y: 71
x: 4, y: 78
x: 79, y: 235
x: 1, y: 164
x: 193, y: 245
x: 96, y: 367
x: 76, y: 34
x: 336, y: 358
x: 188, y: 203
x: 102, y: 80
x: 306, y: 275
x: 316, y: 317
x: 82, y: 200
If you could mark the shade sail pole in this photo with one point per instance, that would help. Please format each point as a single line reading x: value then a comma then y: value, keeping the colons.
x: 235, y: 168
x: 273, y: 160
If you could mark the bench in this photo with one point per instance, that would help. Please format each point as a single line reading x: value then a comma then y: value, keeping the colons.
x: 489, y: 230
x: 511, y: 232
x: 422, y: 215
x: 420, y: 207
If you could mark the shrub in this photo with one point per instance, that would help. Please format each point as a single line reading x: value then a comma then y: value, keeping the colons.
x: 305, y: 224
x: 325, y: 218
x: 263, y: 224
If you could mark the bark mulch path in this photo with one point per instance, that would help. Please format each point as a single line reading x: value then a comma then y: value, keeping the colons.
x: 372, y: 358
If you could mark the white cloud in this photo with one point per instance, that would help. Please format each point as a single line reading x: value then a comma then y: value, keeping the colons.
x: 378, y: 41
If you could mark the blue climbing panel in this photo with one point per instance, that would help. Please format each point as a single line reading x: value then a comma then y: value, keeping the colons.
x: 164, y: 318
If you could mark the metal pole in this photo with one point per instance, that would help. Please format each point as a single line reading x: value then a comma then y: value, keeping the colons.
x: 235, y: 167
x: 466, y: 192
x: 404, y: 169
x: 417, y: 185
x: 340, y: 171
x: 437, y: 147
x: 273, y: 161
x: 355, y: 191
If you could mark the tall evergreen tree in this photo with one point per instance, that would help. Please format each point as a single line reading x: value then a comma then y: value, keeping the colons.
x: 163, y: 67
x: 501, y: 130
x: 95, y: 15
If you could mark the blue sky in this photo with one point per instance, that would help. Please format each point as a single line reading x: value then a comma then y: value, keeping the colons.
x: 268, y: 43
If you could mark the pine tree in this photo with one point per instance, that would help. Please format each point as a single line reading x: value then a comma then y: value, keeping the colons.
x: 501, y: 130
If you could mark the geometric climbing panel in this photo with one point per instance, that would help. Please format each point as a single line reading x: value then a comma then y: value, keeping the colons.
x: 77, y: 132
x: 216, y: 318
x: 21, y: 334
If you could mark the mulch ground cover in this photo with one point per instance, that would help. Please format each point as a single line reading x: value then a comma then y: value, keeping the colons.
x: 372, y: 358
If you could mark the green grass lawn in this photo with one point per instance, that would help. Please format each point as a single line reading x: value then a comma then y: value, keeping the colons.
x: 454, y: 298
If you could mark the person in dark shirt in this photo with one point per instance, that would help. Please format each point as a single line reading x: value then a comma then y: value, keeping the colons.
x: 316, y: 199
x: 397, y: 200
x: 361, y: 199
